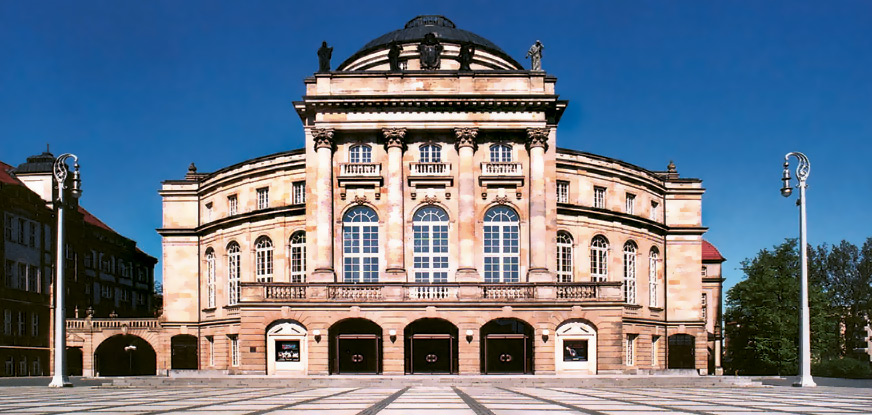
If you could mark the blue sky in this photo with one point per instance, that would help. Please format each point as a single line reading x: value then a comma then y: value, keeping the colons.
x: 139, y: 89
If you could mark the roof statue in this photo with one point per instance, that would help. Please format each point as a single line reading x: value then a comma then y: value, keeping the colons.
x: 535, y: 55
x: 465, y: 56
x: 431, y: 52
x: 324, y: 54
x: 394, y: 56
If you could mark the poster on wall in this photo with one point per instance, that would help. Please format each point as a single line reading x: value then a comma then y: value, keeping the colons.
x: 575, y: 350
x: 287, y: 350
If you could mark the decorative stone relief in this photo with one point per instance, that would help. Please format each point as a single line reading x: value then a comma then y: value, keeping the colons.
x: 501, y: 200
x: 323, y: 138
x: 466, y: 138
x: 394, y: 137
x: 360, y: 200
x: 430, y: 200
x: 537, y: 137
x: 431, y: 52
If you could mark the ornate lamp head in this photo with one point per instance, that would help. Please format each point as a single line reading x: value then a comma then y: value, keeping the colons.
x: 786, y: 190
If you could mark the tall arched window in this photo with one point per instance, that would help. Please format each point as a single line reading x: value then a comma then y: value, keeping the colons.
x: 360, y: 245
x: 210, y: 278
x: 501, y: 242
x: 430, y: 226
x: 298, y: 257
x: 360, y: 154
x: 630, y: 272
x: 500, y: 153
x: 263, y: 259
x: 564, y: 257
x: 599, y: 258
x: 430, y: 153
x: 233, y: 268
x: 653, y: 287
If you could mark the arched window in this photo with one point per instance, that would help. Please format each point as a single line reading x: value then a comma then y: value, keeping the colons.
x: 501, y: 242
x: 210, y: 278
x: 298, y: 257
x: 233, y: 288
x: 599, y: 258
x: 360, y: 154
x: 360, y: 245
x: 500, y: 153
x: 430, y: 226
x: 630, y: 272
x: 564, y: 257
x: 263, y: 259
x: 653, y: 287
x: 430, y: 153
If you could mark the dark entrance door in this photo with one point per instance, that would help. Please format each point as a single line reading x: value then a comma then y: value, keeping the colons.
x: 681, y: 352
x: 357, y: 353
x: 184, y: 352
x: 505, y: 353
x: 431, y: 353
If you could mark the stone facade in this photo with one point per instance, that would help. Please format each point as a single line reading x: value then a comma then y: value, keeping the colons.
x: 431, y: 224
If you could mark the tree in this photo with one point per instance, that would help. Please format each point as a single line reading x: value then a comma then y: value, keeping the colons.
x: 763, y: 312
x: 848, y: 281
x: 157, y: 300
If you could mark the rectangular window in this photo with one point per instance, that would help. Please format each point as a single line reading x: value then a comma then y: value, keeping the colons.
x: 704, y: 301
x: 21, y: 324
x: 105, y: 291
x: 299, y: 193
x: 630, y: 205
x: 22, y: 276
x: 655, y: 351
x: 37, y: 370
x: 575, y: 350
x: 599, y: 197
x: 562, y: 191
x: 263, y: 198
x: 704, y: 272
x: 32, y: 241
x: 209, y: 212
x: 11, y: 279
x: 9, y: 366
x: 631, y: 349
x: 9, y: 228
x: 211, y: 342
x: 232, y: 205
x: 34, y: 325
x: 654, y: 206
x: 89, y: 259
x: 21, y: 230
x: 22, y: 366
x: 7, y: 322
x: 234, y: 351
x: 33, y: 282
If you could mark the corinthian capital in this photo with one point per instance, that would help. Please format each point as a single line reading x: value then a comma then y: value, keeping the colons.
x: 466, y: 138
x: 538, y: 137
x: 323, y: 138
x: 394, y: 137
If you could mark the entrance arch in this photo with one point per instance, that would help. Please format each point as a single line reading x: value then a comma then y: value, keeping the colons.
x: 183, y: 349
x: 125, y: 355
x: 286, y: 348
x: 575, y: 350
x: 681, y: 352
x: 430, y: 346
x: 355, y: 346
x: 506, y: 346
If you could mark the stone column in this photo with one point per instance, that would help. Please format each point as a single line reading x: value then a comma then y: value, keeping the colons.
x: 537, y: 142
x: 394, y: 145
x: 324, y: 146
x: 466, y: 146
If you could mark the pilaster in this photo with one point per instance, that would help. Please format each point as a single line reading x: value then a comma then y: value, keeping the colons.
x: 466, y: 146
x: 537, y: 142
x: 394, y: 145
x: 324, y: 146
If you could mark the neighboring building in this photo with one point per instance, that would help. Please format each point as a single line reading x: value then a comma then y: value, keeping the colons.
x: 107, y: 275
x: 430, y: 225
x: 712, y: 299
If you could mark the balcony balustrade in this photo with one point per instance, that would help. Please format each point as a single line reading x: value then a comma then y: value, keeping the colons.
x: 111, y: 323
x: 360, y: 170
x: 501, y: 169
x: 430, y: 169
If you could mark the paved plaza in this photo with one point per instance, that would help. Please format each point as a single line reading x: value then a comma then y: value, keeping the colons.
x: 435, y: 400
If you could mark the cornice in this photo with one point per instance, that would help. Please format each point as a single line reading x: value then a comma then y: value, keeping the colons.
x: 246, y: 217
x: 612, y: 216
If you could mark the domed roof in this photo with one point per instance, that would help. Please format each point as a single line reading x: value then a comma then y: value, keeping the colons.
x: 415, y: 30
x: 40, y: 163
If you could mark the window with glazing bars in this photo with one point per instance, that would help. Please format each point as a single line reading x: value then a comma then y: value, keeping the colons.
x: 500, y: 153
x: 653, y: 282
x: 263, y: 198
x: 299, y: 193
x: 360, y: 245
x: 232, y: 205
x: 298, y: 257
x: 630, y: 273
x: 210, y: 278
x: 501, y: 245
x: 233, y: 269
x: 430, y: 153
x: 360, y: 154
x: 599, y: 197
x: 564, y: 257
x: 630, y: 204
x: 599, y: 258
x: 562, y: 191
x: 263, y: 259
x: 430, y: 228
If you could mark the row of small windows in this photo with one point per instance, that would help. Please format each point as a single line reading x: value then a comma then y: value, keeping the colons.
x: 22, y: 231
x: 599, y: 199
x: 599, y: 265
x: 21, y: 324
x: 263, y: 259
x: 430, y: 153
x: 25, y: 277
x: 36, y: 367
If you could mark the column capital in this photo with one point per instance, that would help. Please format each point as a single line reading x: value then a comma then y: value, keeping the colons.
x: 394, y: 137
x: 538, y: 137
x: 323, y: 138
x: 466, y: 138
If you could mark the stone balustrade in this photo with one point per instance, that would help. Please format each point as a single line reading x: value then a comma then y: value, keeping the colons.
x: 501, y: 169
x: 360, y: 169
x: 111, y: 323
x: 430, y: 169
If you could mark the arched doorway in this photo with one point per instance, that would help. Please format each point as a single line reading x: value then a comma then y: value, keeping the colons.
x: 575, y: 350
x: 74, y: 361
x: 184, y: 352
x: 681, y: 352
x: 125, y: 355
x: 355, y: 347
x: 430, y: 346
x: 286, y: 348
x: 506, y: 346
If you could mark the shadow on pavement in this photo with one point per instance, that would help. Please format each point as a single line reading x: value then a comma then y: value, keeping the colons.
x: 45, y: 380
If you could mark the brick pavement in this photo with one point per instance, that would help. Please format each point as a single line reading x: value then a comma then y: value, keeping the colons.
x: 427, y: 400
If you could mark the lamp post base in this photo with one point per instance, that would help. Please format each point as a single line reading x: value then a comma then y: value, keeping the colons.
x: 804, y: 382
x: 60, y: 382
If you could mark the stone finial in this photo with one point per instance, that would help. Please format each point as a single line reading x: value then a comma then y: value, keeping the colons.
x: 538, y: 137
x: 192, y: 168
x: 394, y: 137
x: 466, y: 138
x: 671, y: 167
x: 323, y: 138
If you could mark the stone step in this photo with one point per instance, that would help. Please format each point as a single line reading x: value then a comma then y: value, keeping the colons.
x: 506, y: 381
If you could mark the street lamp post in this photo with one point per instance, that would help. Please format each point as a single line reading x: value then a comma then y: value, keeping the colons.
x: 60, y: 171
x: 804, y: 379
